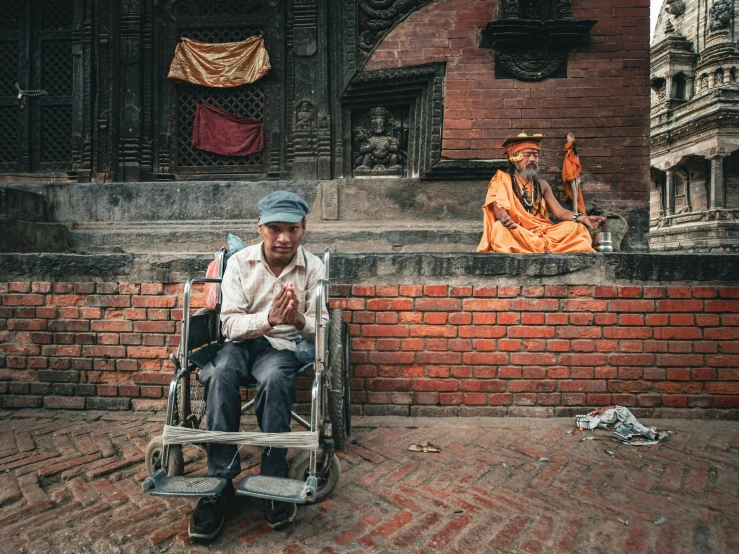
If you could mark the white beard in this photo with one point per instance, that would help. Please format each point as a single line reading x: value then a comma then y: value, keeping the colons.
x: 530, y: 173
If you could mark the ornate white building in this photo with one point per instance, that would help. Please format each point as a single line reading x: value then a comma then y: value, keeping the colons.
x: 694, y: 72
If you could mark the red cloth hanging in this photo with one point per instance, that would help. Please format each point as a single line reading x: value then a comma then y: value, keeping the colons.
x: 225, y: 133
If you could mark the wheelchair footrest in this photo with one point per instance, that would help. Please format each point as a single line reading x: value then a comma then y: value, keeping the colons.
x: 161, y: 485
x: 273, y: 488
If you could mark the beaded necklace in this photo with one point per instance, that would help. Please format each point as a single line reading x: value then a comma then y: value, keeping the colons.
x: 523, y: 196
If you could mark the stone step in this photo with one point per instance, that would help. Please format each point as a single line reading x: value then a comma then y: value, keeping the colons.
x: 341, y: 236
x: 25, y: 226
x: 31, y: 236
x: 22, y: 205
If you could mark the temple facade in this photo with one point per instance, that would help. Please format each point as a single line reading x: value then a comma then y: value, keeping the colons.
x: 388, y: 114
x: 387, y: 117
x: 694, y: 201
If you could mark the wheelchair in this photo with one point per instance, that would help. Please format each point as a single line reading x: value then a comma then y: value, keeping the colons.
x: 314, y: 472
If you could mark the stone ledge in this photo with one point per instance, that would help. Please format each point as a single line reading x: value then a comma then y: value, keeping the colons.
x: 589, y: 269
x: 392, y: 415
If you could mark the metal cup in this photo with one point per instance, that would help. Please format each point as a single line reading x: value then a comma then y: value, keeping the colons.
x: 603, y: 241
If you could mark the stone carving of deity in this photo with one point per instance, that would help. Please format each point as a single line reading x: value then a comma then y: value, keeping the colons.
x: 720, y: 14
x: 379, y: 149
x: 304, y: 116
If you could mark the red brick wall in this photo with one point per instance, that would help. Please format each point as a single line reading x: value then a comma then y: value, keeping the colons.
x: 604, y: 100
x: 440, y: 349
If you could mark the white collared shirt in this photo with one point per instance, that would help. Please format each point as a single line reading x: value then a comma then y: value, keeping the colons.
x: 249, y: 287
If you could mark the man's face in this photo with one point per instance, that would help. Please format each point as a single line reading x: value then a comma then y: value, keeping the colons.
x: 528, y: 167
x: 281, y: 240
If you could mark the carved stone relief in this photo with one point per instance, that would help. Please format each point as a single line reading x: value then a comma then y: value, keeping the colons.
x: 378, y: 139
x: 304, y: 116
x: 304, y: 138
x: 720, y: 14
x: 531, y: 65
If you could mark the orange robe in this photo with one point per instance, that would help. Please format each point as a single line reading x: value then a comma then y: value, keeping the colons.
x: 534, y: 234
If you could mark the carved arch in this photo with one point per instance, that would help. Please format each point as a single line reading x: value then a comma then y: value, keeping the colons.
x: 376, y: 19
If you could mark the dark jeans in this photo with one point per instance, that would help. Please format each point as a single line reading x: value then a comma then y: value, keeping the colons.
x: 274, y: 372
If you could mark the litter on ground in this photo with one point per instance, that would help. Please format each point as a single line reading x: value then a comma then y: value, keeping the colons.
x: 424, y: 447
x: 625, y: 427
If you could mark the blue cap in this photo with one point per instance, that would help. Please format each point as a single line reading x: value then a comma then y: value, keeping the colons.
x: 282, y: 206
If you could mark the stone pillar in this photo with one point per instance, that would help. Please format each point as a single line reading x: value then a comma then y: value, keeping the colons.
x: 689, y: 83
x: 670, y: 192
x: 718, y: 185
x: 669, y: 89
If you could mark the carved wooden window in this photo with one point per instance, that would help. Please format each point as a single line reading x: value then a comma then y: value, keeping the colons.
x: 221, y: 21
x: 246, y: 100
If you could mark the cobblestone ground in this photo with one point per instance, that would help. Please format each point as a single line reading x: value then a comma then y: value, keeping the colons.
x: 71, y: 482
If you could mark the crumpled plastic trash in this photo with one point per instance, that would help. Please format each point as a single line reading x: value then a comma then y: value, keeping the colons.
x: 623, y: 423
x: 424, y: 447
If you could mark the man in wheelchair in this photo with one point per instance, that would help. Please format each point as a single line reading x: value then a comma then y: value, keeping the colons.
x: 267, y: 308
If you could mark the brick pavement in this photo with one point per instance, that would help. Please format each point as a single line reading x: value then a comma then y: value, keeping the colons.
x: 70, y: 482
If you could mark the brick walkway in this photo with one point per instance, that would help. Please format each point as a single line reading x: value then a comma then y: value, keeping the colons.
x: 70, y: 482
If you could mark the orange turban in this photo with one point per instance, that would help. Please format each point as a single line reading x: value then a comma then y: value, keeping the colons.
x: 515, y: 147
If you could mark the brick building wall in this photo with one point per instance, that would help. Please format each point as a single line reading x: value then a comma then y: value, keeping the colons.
x: 604, y: 100
x: 525, y: 345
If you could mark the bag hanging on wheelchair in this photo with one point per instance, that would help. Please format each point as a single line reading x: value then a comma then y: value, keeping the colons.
x: 211, y: 289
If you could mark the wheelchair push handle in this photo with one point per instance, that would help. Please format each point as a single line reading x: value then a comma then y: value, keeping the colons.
x: 327, y: 263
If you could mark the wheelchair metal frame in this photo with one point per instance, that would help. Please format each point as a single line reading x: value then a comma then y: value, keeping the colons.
x: 319, y: 392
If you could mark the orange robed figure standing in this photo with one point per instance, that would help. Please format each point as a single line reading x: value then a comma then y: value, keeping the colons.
x: 517, y: 206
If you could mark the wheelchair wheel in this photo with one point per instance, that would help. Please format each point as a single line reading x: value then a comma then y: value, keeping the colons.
x: 191, y: 402
x: 299, y: 466
x: 339, y: 396
x: 175, y: 463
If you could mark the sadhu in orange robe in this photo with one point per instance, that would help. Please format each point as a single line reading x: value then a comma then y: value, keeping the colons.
x: 534, y: 234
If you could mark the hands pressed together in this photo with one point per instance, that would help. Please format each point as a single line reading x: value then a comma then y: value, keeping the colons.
x: 284, y: 309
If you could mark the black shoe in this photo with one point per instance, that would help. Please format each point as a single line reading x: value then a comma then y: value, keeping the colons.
x: 279, y: 514
x: 210, y: 513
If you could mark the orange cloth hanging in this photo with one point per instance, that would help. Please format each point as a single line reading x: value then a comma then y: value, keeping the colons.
x: 224, y: 64
x: 534, y: 234
x: 571, y: 169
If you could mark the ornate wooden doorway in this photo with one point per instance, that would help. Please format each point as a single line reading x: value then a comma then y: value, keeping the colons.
x: 36, y: 46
